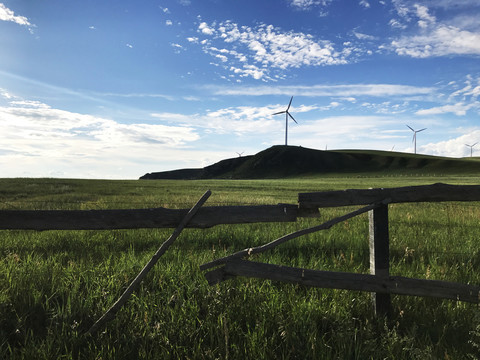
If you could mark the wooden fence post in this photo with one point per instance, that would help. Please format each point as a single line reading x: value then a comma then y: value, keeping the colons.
x: 379, y: 256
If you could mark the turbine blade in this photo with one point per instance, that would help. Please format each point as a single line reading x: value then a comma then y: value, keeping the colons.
x: 290, y: 103
x: 422, y: 130
x: 410, y: 128
x: 474, y: 144
x: 281, y: 112
x: 292, y: 117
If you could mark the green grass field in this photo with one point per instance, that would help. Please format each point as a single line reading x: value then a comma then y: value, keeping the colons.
x: 55, y: 284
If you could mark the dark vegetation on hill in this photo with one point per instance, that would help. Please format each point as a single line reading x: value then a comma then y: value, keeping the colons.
x: 292, y: 161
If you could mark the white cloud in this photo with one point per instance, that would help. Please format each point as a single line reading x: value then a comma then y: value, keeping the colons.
x: 361, y: 36
x: 340, y: 132
x: 168, y: 22
x: 307, y: 4
x: 349, y: 91
x: 469, y: 92
x: 240, y: 120
x: 459, y: 109
x: 8, y: 15
x: 441, y: 41
x: 205, y: 29
x: 423, y: 14
x: 136, y: 95
x: 434, y: 38
x: 129, y: 46
x: 364, y: 3
x: 37, y: 139
x: 397, y: 24
x: 455, y: 147
x: 264, y: 52
x: 177, y: 47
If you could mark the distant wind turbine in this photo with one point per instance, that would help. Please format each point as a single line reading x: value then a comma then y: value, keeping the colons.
x: 471, y: 148
x: 287, y: 114
x: 414, y: 140
x: 240, y: 154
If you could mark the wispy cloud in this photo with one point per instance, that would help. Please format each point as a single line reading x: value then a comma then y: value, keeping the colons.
x: 352, y: 90
x: 440, y: 41
x: 362, y: 36
x: 264, y: 52
x: 308, y: 4
x: 434, y: 38
x: 458, y: 99
x: 364, y: 3
x: 339, y: 132
x: 457, y: 109
x: 135, y: 95
x: 239, y: 120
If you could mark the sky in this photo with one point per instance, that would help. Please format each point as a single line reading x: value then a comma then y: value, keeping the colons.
x: 116, y: 89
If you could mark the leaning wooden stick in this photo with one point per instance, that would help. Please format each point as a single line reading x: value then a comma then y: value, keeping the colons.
x: 110, y: 314
x: 262, y: 248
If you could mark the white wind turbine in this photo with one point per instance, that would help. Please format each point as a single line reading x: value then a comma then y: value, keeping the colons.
x: 287, y: 114
x: 414, y: 140
x: 471, y: 148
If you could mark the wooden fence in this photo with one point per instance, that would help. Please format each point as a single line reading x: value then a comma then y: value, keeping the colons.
x: 379, y: 281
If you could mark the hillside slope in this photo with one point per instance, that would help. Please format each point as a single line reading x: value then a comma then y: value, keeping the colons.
x: 292, y: 161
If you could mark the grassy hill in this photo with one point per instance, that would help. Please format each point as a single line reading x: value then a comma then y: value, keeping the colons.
x: 292, y: 161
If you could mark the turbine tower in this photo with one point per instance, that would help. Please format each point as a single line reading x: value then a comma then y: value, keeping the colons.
x: 287, y: 114
x: 471, y: 148
x: 414, y: 140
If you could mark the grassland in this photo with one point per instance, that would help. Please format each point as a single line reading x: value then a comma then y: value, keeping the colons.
x: 55, y: 284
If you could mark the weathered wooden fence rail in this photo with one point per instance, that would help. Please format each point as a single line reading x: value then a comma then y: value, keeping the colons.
x: 422, y: 193
x: 143, y: 218
x: 379, y: 281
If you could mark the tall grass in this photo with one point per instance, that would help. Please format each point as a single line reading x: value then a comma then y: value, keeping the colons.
x: 55, y: 284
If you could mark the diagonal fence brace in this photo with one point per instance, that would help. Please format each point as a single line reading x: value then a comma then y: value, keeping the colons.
x: 262, y: 248
x: 110, y: 314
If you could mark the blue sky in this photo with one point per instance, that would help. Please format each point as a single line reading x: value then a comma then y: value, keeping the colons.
x: 116, y: 89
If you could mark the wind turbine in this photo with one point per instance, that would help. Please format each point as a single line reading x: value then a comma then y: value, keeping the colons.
x: 415, y: 137
x: 240, y: 154
x: 287, y: 114
x: 471, y: 148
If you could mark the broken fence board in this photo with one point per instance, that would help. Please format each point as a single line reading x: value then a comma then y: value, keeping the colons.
x: 142, y: 218
x: 350, y: 281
